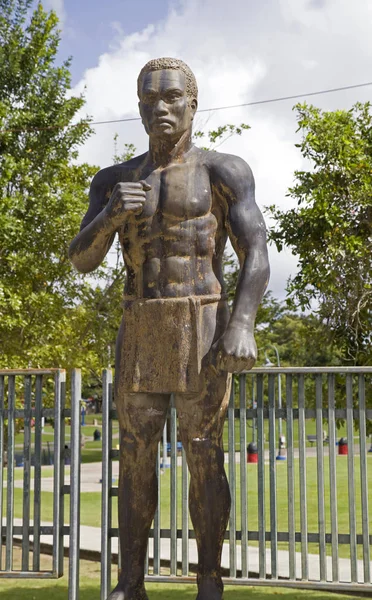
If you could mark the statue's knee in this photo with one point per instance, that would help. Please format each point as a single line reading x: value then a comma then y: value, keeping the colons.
x: 200, y: 446
x: 129, y: 442
x: 204, y: 451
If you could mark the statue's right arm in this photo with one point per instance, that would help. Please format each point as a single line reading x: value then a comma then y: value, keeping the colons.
x: 104, y: 218
x: 89, y: 248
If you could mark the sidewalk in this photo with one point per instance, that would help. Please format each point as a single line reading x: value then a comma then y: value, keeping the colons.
x: 90, y: 539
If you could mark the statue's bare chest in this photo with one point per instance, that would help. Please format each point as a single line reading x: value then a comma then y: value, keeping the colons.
x: 180, y: 192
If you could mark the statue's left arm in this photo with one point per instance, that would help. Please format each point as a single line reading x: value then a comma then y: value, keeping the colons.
x: 233, y: 182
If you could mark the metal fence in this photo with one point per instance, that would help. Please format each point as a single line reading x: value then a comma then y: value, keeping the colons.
x: 22, y: 407
x: 302, y: 522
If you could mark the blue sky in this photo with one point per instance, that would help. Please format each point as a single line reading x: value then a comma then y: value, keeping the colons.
x: 91, y: 27
x: 240, y: 51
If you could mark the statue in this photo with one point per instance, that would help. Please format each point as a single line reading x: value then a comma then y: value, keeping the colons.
x: 173, y: 209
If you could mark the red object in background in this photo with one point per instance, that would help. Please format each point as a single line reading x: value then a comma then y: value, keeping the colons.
x: 252, y: 453
x: 342, y: 446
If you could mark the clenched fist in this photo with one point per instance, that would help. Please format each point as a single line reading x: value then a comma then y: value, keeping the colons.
x: 236, y: 350
x: 126, y: 197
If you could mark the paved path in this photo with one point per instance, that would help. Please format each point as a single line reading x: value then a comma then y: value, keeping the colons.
x: 90, y: 539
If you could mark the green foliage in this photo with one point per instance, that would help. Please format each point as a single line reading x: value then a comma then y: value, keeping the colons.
x: 330, y: 230
x: 42, y: 189
x: 216, y: 137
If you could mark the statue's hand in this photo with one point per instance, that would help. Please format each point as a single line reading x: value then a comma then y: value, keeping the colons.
x: 236, y: 350
x: 126, y: 197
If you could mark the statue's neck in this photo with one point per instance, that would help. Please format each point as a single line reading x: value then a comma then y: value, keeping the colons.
x: 163, y: 152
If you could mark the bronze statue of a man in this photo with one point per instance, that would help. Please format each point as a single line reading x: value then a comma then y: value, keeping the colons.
x: 173, y: 209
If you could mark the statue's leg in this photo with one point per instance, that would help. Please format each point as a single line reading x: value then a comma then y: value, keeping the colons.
x: 201, y: 419
x: 141, y: 418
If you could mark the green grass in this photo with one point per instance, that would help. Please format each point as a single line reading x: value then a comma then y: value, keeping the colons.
x: 90, y: 584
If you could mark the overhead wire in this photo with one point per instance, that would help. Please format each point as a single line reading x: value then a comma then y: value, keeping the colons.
x: 216, y: 108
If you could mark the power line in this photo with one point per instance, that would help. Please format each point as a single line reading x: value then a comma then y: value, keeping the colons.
x: 255, y: 103
x: 329, y: 91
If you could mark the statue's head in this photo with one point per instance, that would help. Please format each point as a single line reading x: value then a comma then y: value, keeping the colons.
x: 167, y: 92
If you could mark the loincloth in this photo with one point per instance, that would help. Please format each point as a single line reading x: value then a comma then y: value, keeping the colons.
x: 162, y: 347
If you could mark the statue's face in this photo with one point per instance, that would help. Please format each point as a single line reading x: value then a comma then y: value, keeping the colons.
x: 165, y: 109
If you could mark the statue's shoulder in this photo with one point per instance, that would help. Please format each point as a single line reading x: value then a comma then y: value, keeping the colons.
x: 109, y: 176
x: 227, y: 168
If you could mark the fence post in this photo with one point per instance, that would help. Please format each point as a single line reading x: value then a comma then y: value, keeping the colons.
x: 303, y: 494
x: 333, y: 474
x: 272, y: 468
x: 74, y: 554
x: 351, y: 476
x: 26, y: 474
x: 243, y: 475
x: 59, y: 471
x: 173, y: 541
x: 10, y: 482
x: 1, y: 463
x: 364, y: 477
x: 232, y: 481
x: 261, y: 479
x: 291, y: 480
x: 320, y: 477
x: 106, y: 484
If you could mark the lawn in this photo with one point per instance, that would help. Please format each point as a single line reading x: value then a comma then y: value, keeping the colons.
x: 90, y: 584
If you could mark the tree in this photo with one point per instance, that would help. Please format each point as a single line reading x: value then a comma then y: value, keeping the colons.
x: 42, y: 189
x: 330, y: 230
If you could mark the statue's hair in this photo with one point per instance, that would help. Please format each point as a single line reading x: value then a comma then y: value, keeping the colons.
x: 157, y: 64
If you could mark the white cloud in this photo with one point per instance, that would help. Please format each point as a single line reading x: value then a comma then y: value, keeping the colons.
x: 241, y: 51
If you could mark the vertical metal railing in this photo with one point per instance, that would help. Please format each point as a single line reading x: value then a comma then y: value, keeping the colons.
x: 59, y: 471
x: 291, y: 480
x: 261, y: 479
x: 243, y: 476
x: 185, y: 515
x: 37, y: 472
x: 320, y: 476
x: 364, y: 478
x: 173, y: 488
x: 2, y: 411
x: 157, y: 517
x: 272, y: 471
x: 351, y: 476
x: 10, y: 481
x: 232, y: 481
x: 333, y: 475
x: 26, y: 472
x: 106, y: 484
x: 302, y: 468
x: 74, y: 546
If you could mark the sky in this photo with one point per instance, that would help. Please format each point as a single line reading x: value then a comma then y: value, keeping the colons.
x: 240, y: 51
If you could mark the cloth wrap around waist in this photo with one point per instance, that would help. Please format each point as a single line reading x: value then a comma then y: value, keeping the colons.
x: 162, y: 345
